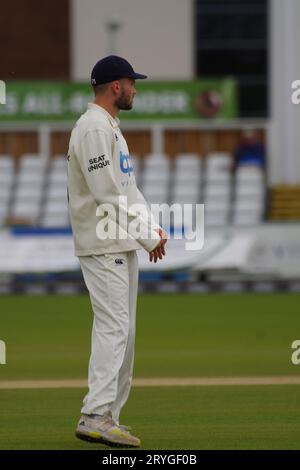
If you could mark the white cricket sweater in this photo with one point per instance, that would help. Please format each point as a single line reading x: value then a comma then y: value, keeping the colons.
x: 99, y: 171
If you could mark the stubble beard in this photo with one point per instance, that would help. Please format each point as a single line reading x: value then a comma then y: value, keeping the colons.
x: 124, y: 103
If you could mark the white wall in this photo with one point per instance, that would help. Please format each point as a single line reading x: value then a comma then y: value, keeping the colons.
x: 156, y: 36
x: 284, y: 135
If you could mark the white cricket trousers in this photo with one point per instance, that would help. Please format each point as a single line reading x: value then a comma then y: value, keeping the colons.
x: 112, y: 282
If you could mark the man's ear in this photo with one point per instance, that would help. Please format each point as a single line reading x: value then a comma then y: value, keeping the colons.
x: 116, y: 86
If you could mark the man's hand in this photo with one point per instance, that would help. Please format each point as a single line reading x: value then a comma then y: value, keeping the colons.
x: 159, y: 251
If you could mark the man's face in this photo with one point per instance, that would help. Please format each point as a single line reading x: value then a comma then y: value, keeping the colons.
x: 127, y: 92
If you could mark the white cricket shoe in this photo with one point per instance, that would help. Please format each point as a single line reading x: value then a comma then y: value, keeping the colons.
x: 103, y: 429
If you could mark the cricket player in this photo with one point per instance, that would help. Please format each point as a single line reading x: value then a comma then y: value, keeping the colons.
x: 103, y: 201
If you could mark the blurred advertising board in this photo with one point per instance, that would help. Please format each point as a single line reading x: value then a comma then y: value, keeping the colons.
x: 63, y: 101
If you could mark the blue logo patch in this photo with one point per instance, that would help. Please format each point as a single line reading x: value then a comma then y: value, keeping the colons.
x: 126, y: 163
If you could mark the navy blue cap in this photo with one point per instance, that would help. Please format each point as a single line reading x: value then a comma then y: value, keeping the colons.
x: 112, y: 68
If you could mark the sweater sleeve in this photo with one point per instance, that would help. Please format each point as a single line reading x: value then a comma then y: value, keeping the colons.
x: 95, y: 159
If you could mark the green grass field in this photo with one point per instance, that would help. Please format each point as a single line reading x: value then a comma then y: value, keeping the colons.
x: 177, y: 336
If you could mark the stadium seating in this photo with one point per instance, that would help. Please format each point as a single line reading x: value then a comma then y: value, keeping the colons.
x: 155, y: 180
x: 7, y: 175
x: 217, y: 194
x: 249, y: 200
x: 35, y: 192
x: 186, y: 184
x: 29, y: 186
x: 55, y: 208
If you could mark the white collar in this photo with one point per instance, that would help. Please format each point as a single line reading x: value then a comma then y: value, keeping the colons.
x: 114, y: 121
